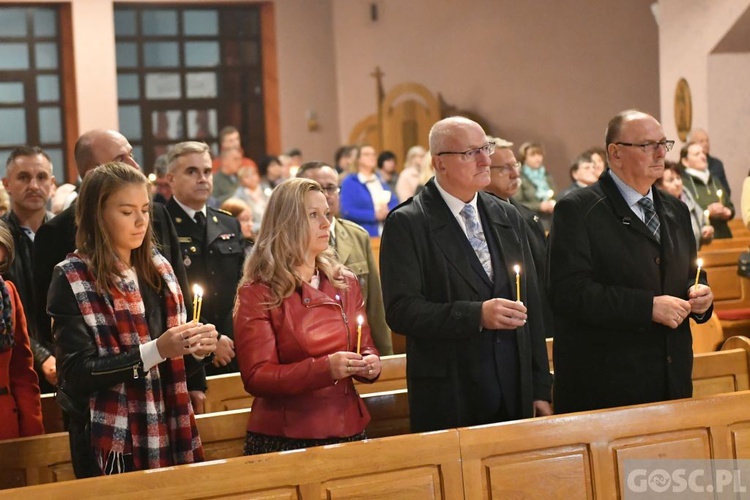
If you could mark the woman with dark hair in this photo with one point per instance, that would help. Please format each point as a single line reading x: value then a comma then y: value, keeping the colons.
x: 121, y: 334
x: 20, y: 404
x: 297, y: 335
x: 271, y: 173
x: 671, y: 182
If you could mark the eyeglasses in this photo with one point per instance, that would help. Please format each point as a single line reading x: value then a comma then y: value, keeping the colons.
x: 506, y: 169
x: 649, y: 147
x: 331, y: 189
x: 472, y: 154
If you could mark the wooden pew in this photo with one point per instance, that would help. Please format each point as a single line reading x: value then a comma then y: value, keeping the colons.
x: 226, y: 392
x: 51, y: 414
x: 724, y: 371
x: 46, y: 458
x: 731, y: 292
x: 581, y: 455
x: 578, y: 455
x: 737, y: 226
x: 738, y: 242
x: 415, y: 466
x: 708, y: 336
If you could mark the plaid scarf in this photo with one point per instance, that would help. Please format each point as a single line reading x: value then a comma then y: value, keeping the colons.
x: 150, y: 417
x: 7, y: 340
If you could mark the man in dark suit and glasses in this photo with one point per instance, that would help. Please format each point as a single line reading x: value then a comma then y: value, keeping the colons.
x: 475, y: 354
x: 622, y: 268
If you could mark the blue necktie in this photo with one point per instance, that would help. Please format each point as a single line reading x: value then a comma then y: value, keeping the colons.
x: 476, y: 238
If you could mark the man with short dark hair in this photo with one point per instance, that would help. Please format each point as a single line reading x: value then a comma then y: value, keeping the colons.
x: 29, y: 180
x: 354, y: 250
x: 622, y: 268
x: 211, y: 243
x: 476, y: 348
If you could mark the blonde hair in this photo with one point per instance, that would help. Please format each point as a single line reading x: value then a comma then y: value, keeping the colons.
x: 92, y: 237
x: 283, y: 241
x: 6, y: 240
x: 412, y: 153
x: 426, y: 171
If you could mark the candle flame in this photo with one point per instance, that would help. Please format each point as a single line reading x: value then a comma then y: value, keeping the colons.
x: 517, y: 269
x: 197, y: 291
x: 719, y: 192
x: 360, y: 320
x: 700, y: 262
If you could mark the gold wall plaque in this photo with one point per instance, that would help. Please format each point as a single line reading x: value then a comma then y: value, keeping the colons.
x: 683, y: 109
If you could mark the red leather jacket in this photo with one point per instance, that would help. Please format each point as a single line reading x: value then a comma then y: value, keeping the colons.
x: 283, y: 358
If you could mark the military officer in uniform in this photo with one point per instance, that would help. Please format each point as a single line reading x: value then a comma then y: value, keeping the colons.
x: 211, y: 242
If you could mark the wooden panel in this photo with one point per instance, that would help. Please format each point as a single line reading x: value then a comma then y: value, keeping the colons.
x: 413, y: 466
x: 741, y: 441
x: 688, y: 428
x: 694, y: 444
x: 51, y: 414
x: 725, y: 283
x: 417, y: 483
x: 718, y: 372
x: 559, y: 473
x: 708, y: 336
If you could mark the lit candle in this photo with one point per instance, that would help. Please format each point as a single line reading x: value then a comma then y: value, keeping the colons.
x: 698, y: 272
x: 197, y: 302
x: 360, y: 320
x: 720, y: 194
x: 550, y: 194
x: 517, y: 269
x: 707, y: 215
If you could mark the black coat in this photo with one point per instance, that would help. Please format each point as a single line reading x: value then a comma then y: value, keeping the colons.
x: 605, y: 268
x: 21, y: 273
x: 213, y: 260
x: 433, y: 295
x: 57, y: 238
x: 538, y: 243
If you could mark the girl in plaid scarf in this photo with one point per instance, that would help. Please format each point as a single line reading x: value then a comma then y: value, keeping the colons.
x: 121, y: 334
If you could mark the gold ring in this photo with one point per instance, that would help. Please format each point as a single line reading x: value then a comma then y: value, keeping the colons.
x: 348, y: 369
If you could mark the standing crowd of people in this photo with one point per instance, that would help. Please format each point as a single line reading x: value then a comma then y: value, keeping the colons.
x: 122, y: 305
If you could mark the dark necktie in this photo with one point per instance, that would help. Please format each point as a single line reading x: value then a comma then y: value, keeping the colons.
x: 200, y: 219
x: 650, y: 217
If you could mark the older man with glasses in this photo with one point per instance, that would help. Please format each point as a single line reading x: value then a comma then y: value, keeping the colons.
x: 622, y: 280
x: 505, y: 180
x: 475, y: 348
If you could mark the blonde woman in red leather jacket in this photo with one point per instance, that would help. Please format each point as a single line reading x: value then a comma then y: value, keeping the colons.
x: 296, y: 330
